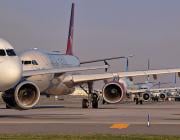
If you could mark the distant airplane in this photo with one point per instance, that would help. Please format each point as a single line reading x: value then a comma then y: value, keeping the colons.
x: 147, y: 91
x: 161, y: 93
x: 140, y: 89
x: 10, y: 66
x: 53, y: 73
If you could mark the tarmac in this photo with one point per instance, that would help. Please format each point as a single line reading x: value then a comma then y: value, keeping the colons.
x: 67, y: 117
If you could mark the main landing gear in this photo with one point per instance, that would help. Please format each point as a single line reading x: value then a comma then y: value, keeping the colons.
x: 85, y: 103
x: 138, y: 99
x: 93, y: 98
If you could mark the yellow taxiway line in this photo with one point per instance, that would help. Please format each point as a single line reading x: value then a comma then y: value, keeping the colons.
x: 120, y: 125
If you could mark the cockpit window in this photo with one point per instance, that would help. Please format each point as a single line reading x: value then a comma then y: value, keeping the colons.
x: 10, y: 52
x: 2, y: 52
x: 28, y: 62
x: 34, y: 62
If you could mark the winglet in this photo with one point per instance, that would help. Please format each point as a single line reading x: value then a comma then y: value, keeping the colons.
x: 69, y: 50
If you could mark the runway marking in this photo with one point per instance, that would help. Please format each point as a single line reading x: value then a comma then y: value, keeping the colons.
x: 120, y: 125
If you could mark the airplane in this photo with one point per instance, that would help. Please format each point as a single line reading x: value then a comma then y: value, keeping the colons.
x: 162, y: 93
x: 146, y: 90
x: 53, y: 73
x: 10, y: 66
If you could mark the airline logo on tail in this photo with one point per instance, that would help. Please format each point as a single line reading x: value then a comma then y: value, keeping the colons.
x: 69, y: 50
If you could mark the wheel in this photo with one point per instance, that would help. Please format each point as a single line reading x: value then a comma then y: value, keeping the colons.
x: 85, y: 103
x: 95, y: 104
x: 141, y: 102
x: 103, y: 102
x: 7, y: 106
x: 94, y: 96
x: 137, y: 101
x: 48, y: 96
x: 94, y: 100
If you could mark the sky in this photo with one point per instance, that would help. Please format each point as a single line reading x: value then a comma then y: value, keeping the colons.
x: 103, y: 28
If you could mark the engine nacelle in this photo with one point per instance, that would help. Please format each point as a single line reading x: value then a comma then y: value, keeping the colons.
x: 24, y: 96
x: 113, y: 92
x: 146, y: 96
x: 162, y: 96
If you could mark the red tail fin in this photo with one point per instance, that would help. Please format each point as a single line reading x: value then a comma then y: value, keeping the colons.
x: 69, y: 50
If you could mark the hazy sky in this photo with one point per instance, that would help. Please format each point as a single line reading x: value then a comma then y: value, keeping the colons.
x: 103, y: 28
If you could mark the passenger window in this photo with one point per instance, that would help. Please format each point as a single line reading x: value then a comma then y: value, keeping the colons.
x: 10, y: 52
x: 2, y: 52
x: 27, y: 62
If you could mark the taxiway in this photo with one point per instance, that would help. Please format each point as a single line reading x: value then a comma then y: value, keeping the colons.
x: 67, y: 117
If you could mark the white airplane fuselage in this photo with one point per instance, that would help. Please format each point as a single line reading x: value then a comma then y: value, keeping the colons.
x: 10, y: 66
x: 50, y: 84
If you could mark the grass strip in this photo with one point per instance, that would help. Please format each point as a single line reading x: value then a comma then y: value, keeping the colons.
x: 85, y: 137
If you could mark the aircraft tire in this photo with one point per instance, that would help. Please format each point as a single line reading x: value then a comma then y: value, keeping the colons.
x: 7, y: 106
x: 85, y: 103
x: 95, y: 104
x: 137, y: 101
x: 141, y: 102
x: 94, y: 100
x: 103, y: 102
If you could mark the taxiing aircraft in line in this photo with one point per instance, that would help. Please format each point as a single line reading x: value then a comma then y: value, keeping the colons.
x: 146, y: 90
x: 53, y: 73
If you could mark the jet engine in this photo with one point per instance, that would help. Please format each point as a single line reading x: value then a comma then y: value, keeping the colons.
x: 163, y: 96
x: 146, y: 96
x: 24, y: 96
x: 113, y: 92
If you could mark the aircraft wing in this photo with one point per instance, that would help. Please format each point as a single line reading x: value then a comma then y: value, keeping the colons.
x: 27, y: 73
x: 156, y: 90
x: 136, y: 91
x: 96, y: 77
x: 102, y: 60
x: 165, y: 89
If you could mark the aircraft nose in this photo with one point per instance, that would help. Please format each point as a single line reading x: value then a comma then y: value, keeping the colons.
x: 10, y: 73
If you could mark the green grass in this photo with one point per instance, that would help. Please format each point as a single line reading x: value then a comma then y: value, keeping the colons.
x: 88, y: 137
